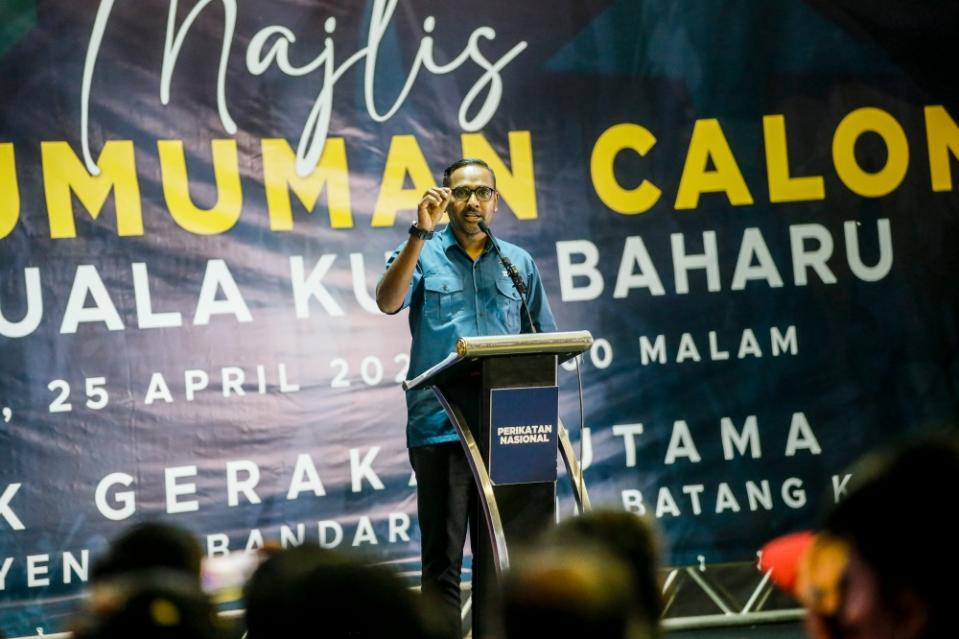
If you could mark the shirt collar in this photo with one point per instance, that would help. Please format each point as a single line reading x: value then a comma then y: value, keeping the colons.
x: 447, y: 237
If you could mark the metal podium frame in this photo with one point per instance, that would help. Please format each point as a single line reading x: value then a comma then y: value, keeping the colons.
x: 469, y: 350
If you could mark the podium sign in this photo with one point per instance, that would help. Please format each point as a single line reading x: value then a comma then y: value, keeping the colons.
x: 523, y: 435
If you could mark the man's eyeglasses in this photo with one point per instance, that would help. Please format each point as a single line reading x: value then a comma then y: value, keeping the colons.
x: 483, y: 193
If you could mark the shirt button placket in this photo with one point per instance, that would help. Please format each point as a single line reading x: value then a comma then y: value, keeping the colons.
x: 480, y: 320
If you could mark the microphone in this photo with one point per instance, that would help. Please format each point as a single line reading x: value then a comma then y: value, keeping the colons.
x: 512, y: 271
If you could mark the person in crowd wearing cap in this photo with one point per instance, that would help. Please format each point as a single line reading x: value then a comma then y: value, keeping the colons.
x: 884, y: 563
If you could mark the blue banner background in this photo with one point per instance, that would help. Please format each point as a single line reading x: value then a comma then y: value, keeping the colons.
x: 873, y: 360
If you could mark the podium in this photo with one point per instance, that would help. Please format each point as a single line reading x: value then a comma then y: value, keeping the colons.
x: 501, y: 394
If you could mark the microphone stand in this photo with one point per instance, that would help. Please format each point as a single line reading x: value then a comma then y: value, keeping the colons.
x: 513, y: 273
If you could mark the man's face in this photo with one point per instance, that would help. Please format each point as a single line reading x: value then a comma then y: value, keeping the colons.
x: 465, y: 213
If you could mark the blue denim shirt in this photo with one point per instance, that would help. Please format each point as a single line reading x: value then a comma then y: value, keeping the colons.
x: 452, y: 296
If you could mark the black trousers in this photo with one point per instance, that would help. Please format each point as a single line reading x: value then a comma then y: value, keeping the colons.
x: 445, y: 498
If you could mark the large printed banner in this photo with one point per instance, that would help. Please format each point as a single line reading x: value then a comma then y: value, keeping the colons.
x: 751, y: 206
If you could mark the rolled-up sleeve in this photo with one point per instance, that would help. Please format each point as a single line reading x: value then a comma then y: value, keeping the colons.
x: 414, y: 281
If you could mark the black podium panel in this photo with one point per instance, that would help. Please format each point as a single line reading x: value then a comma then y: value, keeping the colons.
x: 526, y: 510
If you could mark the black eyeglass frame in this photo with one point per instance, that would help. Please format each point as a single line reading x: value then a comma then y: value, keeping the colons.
x: 470, y: 192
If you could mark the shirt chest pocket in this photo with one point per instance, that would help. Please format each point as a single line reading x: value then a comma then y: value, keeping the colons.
x: 508, y: 303
x: 443, y: 296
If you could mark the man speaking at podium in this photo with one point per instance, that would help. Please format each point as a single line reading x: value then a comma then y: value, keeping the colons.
x: 455, y: 286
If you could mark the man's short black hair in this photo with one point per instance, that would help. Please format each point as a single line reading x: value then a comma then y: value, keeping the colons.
x: 465, y: 162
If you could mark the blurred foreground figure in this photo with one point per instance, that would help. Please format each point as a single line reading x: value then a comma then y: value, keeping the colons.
x: 147, y: 586
x: 310, y: 591
x: 884, y: 565
x: 568, y: 593
x: 159, y: 604
x: 592, y: 576
x: 150, y: 546
x: 632, y: 540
